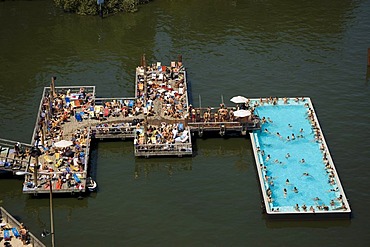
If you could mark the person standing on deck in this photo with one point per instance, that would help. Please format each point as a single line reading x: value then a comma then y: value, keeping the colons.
x: 17, y: 149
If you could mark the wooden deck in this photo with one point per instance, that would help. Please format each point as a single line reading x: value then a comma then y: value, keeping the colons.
x: 8, y: 222
x: 159, y: 119
x: 12, y: 160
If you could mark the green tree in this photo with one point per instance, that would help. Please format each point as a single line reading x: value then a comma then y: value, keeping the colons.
x: 90, y: 7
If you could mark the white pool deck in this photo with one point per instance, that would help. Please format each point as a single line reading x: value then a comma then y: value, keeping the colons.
x: 290, y: 210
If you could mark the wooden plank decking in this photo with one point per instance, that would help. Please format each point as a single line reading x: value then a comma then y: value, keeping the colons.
x: 159, y: 119
x: 8, y: 222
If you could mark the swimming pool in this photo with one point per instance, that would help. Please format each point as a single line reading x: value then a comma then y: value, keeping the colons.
x: 291, y: 161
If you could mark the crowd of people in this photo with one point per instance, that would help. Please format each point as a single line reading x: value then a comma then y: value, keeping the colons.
x: 166, y: 85
x: 166, y: 134
x: 165, y: 88
x: 266, y: 159
x: 62, y: 165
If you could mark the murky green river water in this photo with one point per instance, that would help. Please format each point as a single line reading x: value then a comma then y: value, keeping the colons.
x: 230, y: 47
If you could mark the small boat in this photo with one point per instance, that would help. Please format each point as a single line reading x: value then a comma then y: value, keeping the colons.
x: 91, y: 184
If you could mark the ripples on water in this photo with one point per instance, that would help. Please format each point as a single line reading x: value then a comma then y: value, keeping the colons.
x: 254, y: 48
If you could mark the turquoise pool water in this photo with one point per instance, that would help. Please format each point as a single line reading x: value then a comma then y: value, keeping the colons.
x: 313, y: 189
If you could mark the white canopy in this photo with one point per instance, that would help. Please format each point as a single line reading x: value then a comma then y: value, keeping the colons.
x: 63, y: 144
x: 238, y: 99
x: 242, y: 113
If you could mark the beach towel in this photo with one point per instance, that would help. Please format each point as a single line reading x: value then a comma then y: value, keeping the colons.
x: 7, y: 235
x: 76, y: 178
x: 58, y: 185
x: 78, y: 117
x: 68, y: 101
x: 15, y: 232
x: 106, y: 112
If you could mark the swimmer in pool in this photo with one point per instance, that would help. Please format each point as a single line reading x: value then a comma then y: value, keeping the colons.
x: 269, y: 119
x: 285, y: 193
x: 295, y: 190
x: 306, y: 174
x: 287, y: 182
x: 267, y: 131
x: 268, y: 157
x: 278, y: 134
x: 290, y: 126
x: 287, y: 155
x: 293, y: 136
x: 302, y: 161
x: 287, y: 138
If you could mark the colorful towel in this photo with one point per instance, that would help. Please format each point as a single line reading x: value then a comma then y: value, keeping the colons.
x: 7, y: 235
x: 76, y: 178
x: 15, y: 232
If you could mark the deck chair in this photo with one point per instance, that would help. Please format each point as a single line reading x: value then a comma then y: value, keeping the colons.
x: 16, y: 233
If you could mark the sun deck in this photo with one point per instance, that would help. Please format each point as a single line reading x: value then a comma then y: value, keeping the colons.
x: 10, y: 232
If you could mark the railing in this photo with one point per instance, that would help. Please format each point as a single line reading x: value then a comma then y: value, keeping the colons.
x: 101, y: 101
x: 10, y: 143
x: 9, y: 163
x: 179, y: 149
x: 166, y: 149
x: 8, y: 218
x: 46, y: 92
x: 113, y: 132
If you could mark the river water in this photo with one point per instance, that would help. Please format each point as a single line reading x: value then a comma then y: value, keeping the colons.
x: 255, y: 48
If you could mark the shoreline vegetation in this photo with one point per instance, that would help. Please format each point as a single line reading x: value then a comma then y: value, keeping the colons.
x: 90, y: 7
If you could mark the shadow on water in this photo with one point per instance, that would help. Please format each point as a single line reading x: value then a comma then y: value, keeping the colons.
x: 143, y: 167
x: 293, y: 223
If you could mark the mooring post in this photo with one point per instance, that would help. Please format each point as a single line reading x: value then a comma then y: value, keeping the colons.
x: 368, y: 65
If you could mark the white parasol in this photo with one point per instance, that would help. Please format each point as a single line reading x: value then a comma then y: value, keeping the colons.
x: 238, y: 99
x: 63, y: 144
x: 242, y: 113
